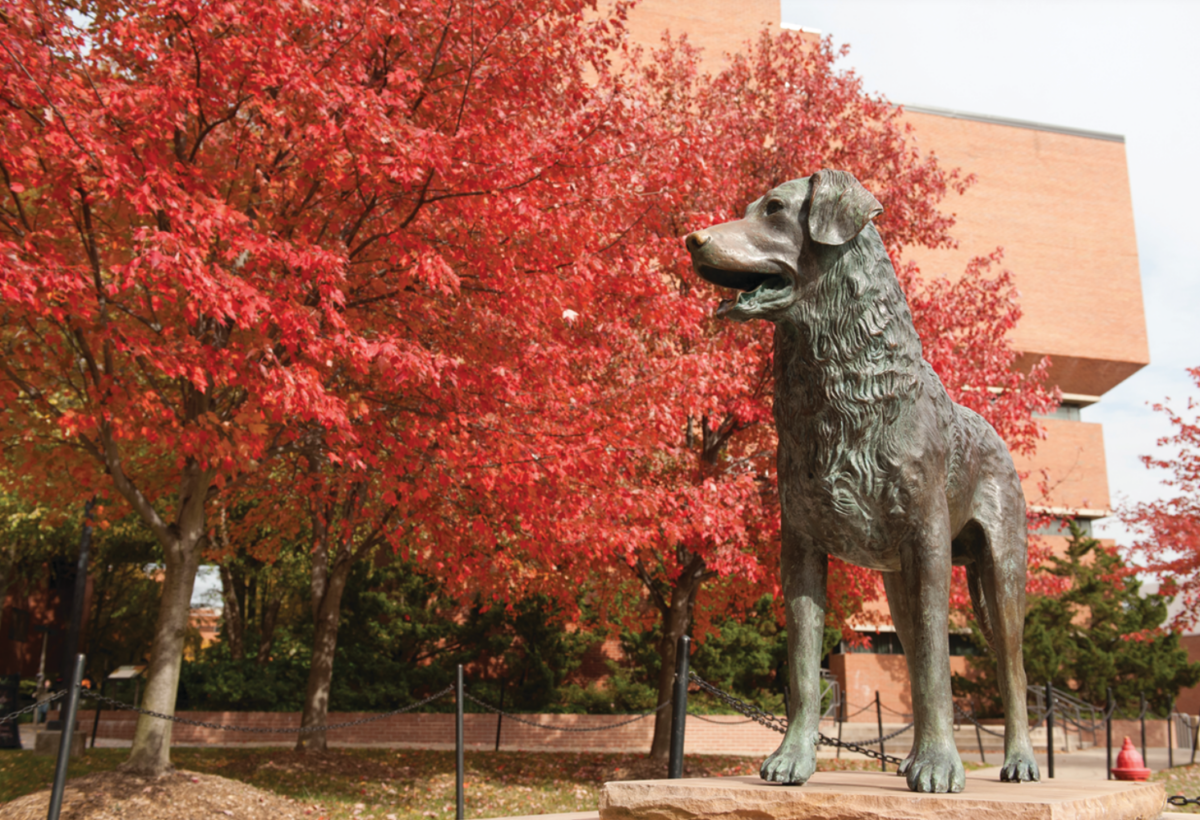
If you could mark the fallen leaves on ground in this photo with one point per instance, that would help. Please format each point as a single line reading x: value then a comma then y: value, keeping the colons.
x: 180, y: 796
x: 342, y: 784
x: 1183, y: 780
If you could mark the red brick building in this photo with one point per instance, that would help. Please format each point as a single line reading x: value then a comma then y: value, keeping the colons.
x: 1057, y: 199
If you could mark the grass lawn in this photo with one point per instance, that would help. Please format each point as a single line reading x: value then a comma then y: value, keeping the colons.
x: 401, y: 784
x: 1183, y: 780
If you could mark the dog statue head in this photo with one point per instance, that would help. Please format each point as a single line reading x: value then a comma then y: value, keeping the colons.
x: 769, y: 253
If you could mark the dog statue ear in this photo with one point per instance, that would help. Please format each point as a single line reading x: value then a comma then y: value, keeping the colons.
x: 841, y: 207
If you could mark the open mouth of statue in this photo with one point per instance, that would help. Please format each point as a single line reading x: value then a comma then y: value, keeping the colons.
x: 743, y: 280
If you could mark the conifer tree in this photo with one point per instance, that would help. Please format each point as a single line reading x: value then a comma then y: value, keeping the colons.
x: 1102, y: 631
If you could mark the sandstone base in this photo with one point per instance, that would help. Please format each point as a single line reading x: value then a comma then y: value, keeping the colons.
x: 862, y: 795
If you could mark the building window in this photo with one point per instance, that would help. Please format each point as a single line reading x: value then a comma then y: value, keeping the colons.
x: 1062, y: 526
x: 1068, y: 412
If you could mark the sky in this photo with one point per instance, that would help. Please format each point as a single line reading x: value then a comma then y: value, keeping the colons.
x: 1121, y: 67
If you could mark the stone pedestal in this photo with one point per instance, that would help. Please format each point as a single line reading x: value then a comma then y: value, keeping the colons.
x: 863, y: 795
x: 47, y: 743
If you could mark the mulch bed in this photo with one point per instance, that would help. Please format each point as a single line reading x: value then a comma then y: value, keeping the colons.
x: 178, y: 796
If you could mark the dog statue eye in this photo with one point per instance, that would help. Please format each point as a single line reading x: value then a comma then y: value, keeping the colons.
x: 774, y: 206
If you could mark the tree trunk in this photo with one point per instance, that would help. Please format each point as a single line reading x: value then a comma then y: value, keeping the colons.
x: 151, y: 752
x: 182, y: 542
x: 267, y: 633
x: 676, y: 618
x: 235, y: 625
x: 327, y: 613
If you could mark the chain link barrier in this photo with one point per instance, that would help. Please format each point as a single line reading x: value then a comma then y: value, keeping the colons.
x: 550, y: 728
x: 778, y: 724
x: 709, y: 719
x: 29, y: 710
x: 752, y: 713
x: 262, y: 730
x: 858, y: 711
x: 970, y: 718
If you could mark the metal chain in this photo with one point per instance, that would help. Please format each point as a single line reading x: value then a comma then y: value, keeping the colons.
x: 28, y: 710
x: 261, y: 730
x: 964, y: 714
x: 1181, y: 800
x: 860, y: 711
x: 748, y: 709
x: 547, y: 727
x: 778, y: 724
x: 707, y: 719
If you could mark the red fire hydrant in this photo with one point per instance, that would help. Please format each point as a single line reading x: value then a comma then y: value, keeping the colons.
x: 1130, y: 765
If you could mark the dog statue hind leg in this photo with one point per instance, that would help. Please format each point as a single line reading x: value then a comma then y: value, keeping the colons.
x: 995, y: 543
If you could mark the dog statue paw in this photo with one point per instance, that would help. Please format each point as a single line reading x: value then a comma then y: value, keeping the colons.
x: 791, y: 764
x: 936, y: 770
x: 1020, y: 767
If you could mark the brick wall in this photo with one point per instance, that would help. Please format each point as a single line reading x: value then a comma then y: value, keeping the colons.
x: 1189, y: 699
x: 1073, y: 456
x: 708, y: 735
x: 861, y: 674
x: 1060, y: 205
x: 719, y: 27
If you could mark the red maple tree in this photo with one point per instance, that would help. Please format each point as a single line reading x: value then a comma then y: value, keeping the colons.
x: 1167, y: 530
x: 408, y: 276
x: 243, y: 237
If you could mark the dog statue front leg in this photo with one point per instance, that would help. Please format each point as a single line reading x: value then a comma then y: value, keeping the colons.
x: 804, y: 571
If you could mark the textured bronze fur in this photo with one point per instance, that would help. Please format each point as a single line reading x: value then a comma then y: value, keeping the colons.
x: 877, y: 465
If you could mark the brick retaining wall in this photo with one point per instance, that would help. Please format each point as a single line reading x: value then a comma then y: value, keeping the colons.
x: 711, y: 734
x: 714, y: 734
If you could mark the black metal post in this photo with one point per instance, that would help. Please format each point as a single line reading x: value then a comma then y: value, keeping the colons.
x: 845, y: 706
x: 979, y: 740
x: 679, y: 709
x: 459, y: 806
x: 71, y: 645
x: 1170, y: 743
x: 1112, y: 707
x: 879, y: 722
x: 96, y: 718
x: 500, y: 715
x: 1195, y: 727
x: 1050, y: 729
x: 64, y: 745
x: 1142, y: 718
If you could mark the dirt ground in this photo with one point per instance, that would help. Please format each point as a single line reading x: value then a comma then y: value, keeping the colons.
x: 179, y: 796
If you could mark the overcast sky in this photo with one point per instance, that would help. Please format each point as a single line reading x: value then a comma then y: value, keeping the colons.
x: 1123, y: 67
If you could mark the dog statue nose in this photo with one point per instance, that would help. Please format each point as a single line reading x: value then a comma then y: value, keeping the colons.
x: 696, y: 240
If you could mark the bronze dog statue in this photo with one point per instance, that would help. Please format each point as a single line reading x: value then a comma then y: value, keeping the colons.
x: 876, y: 465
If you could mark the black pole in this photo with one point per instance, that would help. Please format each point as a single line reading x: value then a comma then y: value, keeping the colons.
x: 845, y: 705
x: 96, y: 718
x: 64, y: 745
x: 71, y: 646
x: 679, y: 709
x: 500, y: 715
x: 1170, y: 743
x: 458, y: 745
x: 879, y: 721
x: 1050, y: 729
x: 1195, y: 727
x: 979, y: 740
x: 1142, y: 717
x: 1108, y: 732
